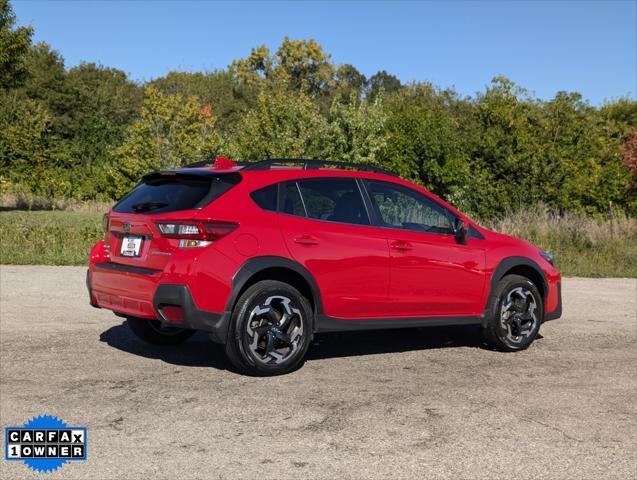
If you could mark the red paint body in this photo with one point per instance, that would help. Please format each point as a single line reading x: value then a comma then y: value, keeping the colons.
x: 362, y: 272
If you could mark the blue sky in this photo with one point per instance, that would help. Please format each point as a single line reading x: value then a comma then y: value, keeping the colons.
x: 585, y: 46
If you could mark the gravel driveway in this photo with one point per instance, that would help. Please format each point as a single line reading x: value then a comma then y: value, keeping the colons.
x: 426, y: 403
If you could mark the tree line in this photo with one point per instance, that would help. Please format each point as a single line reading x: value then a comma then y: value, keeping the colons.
x: 89, y: 132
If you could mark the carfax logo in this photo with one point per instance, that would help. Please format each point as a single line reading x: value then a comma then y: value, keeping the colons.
x: 45, y: 443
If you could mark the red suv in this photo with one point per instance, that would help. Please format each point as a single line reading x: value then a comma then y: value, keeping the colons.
x: 264, y: 255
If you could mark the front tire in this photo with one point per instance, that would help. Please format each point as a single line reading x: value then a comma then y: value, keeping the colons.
x: 152, y: 331
x: 515, y: 315
x: 270, y: 329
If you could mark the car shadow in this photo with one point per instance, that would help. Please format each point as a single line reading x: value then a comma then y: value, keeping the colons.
x: 200, y: 351
x: 197, y: 351
x: 373, y: 342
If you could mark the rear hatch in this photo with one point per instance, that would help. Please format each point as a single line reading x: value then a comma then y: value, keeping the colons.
x: 132, y: 232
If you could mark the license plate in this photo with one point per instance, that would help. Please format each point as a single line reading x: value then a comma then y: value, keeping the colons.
x: 131, y: 246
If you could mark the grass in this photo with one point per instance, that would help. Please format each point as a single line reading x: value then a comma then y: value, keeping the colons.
x: 31, y: 202
x: 584, y: 246
x: 48, y: 237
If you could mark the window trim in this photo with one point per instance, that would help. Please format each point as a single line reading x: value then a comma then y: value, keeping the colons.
x: 361, y: 192
x: 298, y: 189
x: 378, y: 221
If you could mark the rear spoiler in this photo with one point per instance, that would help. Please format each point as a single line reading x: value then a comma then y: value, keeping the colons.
x: 194, y: 174
x: 219, y: 163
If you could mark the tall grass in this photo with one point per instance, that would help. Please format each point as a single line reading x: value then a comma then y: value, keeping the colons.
x: 48, y: 237
x: 29, y: 201
x: 583, y: 245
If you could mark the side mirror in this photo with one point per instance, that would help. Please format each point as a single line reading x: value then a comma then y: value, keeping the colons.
x: 459, y: 230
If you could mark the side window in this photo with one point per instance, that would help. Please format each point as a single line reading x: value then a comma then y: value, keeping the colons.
x: 266, y: 197
x: 293, y: 205
x: 331, y: 199
x: 401, y: 207
x: 334, y: 200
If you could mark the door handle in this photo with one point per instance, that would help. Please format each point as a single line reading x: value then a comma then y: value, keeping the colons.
x: 306, y: 240
x: 401, y: 245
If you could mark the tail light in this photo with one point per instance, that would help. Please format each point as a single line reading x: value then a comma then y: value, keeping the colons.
x: 195, y: 233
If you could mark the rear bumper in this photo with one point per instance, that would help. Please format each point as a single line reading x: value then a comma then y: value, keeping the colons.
x: 136, y: 292
x: 125, y: 290
x: 192, y: 317
x: 557, y: 312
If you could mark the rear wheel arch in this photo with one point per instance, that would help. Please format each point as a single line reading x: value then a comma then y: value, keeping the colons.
x: 275, y: 268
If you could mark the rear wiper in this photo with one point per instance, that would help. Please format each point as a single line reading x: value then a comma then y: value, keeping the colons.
x: 146, y: 206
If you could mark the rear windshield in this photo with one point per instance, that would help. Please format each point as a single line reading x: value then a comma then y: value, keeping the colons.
x: 158, y: 193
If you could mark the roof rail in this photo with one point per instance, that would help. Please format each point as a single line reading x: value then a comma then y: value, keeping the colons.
x: 312, y: 164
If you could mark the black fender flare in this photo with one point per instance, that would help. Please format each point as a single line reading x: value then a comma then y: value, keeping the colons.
x: 258, y: 264
x: 508, y: 263
x: 503, y: 267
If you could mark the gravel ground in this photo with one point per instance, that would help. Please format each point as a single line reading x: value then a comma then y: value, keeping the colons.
x: 426, y: 403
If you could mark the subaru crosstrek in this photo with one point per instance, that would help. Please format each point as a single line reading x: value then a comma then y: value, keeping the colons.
x: 262, y: 256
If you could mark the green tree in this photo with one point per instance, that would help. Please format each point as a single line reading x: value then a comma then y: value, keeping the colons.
x: 103, y: 104
x: 562, y: 153
x: 90, y: 107
x: 305, y: 65
x: 172, y: 130
x: 46, y: 83
x: 349, y: 79
x: 25, y: 162
x: 577, y: 159
x: 425, y: 143
x: 622, y: 110
x: 89, y: 132
x: 356, y: 130
x: 349, y: 84
x: 299, y: 64
x: 14, y: 46
x: 382, y: 81
x: 257, y: 66
x: 106, y: 92
x: 283, y: 124
x: 228, y: 98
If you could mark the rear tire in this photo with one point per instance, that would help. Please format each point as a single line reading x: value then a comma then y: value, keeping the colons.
x: 151, y: 331
x: 515, y: 315
x: 270, y: 329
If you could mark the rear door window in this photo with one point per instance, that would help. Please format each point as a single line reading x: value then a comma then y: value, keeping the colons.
x: 158, y: 193
x: 331, y: 199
